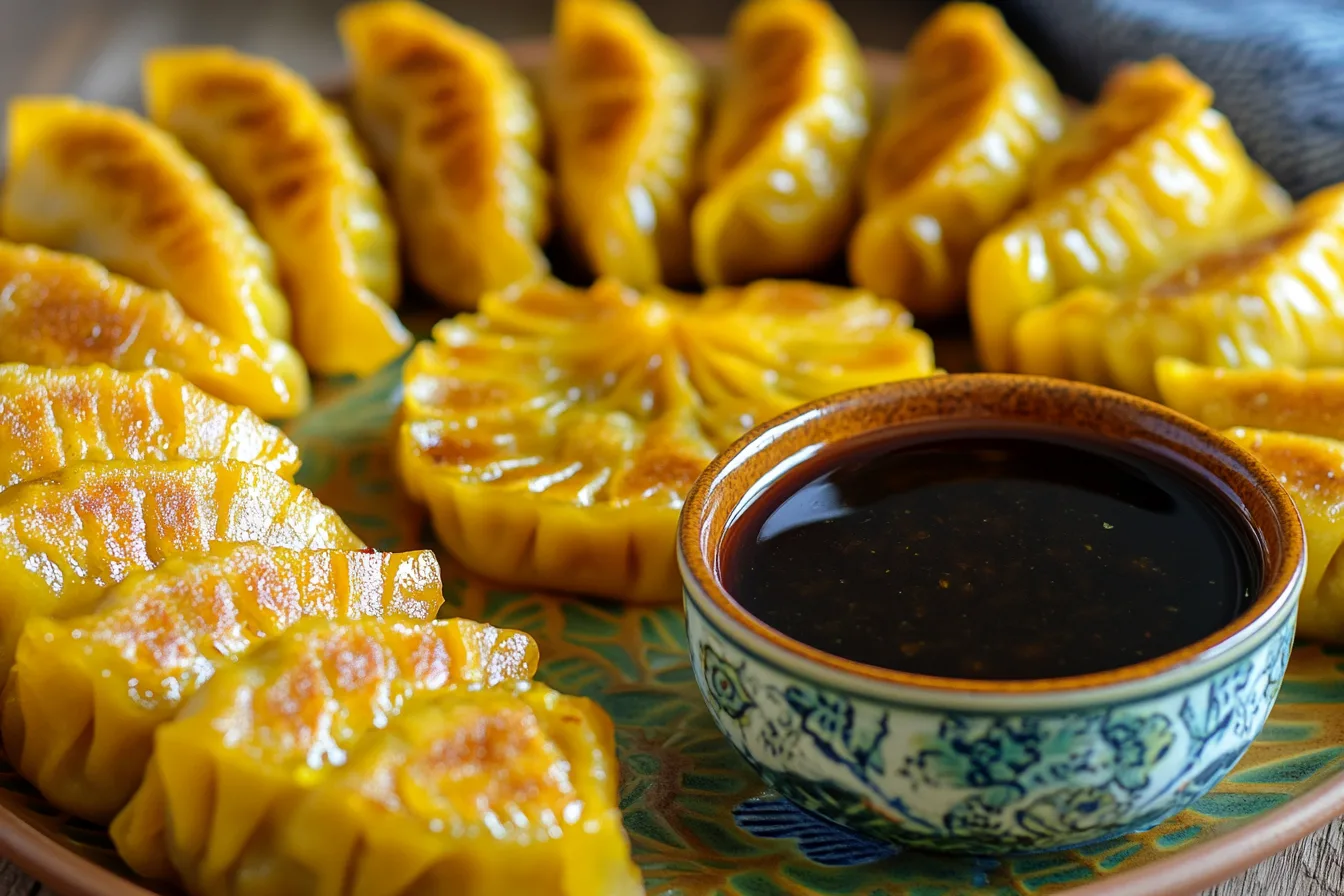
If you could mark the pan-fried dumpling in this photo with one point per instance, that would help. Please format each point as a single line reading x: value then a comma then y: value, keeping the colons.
x: 456, y: 129
x: 1277, y: 301
x: 1312, y: 469
x: 51, y: 418
x: 781, y: 164
x: 1149, y: 178
x: 447, y: 798
x: 86, y: 693
x: 1310, y: 402
x: 227, y: 772
x: 553, y: 435
x: 59, y: 310
x: 66, y: 539
x: 105, y: 183
x: 970, y: 115
x: 625, y: 106
x: 292, y: 163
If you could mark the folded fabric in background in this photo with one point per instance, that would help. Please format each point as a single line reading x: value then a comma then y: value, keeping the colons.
x: 1277, y: 66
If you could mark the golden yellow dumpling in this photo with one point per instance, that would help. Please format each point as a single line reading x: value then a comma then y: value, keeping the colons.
x: 228, y: 771
x: 86, y: 693
x: 1275, y: 301
x: 291, y: 161
x: 1310, y: 402
x: 455, y: 127
x: 625, y: 105
x: 554, y: 434
x: 61, y: 310
x: 1146, y: 180
x: 449, y: 796
x: 67, y: 538
x: 969, y: 117
x: 782, y: 162
x: 51, y: 418
x: 105, y: 183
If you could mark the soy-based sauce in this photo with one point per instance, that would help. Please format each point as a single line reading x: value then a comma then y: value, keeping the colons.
x: 1008, y: 553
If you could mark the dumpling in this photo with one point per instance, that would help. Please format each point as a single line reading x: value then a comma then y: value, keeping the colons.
x: 1276, y: 301
x: 969, y: 117
x: 1146, y: 180
x: 447, y: 798
x: 554, y: 434
x: 105, y: 183
x: 1312, y: 469
x: 782, y: 161
x: 60, y: 310
x: 625, y: 106
x: 1310, y: 402
x: 227, y: 772
x: 86, y: 693
x: 456, y: 129
x: 292, y: 163
x: 51, y: 418
x: 67, y: 538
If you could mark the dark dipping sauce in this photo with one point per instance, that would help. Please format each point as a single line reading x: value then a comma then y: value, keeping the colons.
x: 1013, y: 552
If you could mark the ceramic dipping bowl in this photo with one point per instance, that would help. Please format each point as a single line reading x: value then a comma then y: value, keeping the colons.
x: 988, y: 767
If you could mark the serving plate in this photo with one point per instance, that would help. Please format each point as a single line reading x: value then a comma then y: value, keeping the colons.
x: 700, y: 821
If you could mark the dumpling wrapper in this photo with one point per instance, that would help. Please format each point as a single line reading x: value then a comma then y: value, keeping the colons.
x: 59, y: 310
x: 105, y: 183
x: 66, y: 539
x: 1310, y: 402
x: 51, y: 418
x: 292, y: 163
x: 227, y: 773
x: 86, y: 693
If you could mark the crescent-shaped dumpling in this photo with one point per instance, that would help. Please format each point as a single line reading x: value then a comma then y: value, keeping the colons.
x: 105, y: 183
x: 86, y: 693
x: 625, y: 106
x: 454, y: 126
x: 1310, y: 402
x: 782, y: 161
x: 292, y: 163
x: 59, y: 310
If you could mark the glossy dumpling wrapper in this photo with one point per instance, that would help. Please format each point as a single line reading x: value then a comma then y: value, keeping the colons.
x: 553, y: 435
x: 226, y: 774
x: 51, y: 418
x: 455, y: 127
x: 625, y: 105
x: 60, y: 310
x: 292, y: 163
x: 970, y: 115
x: 1146, y: 180
x: 105, y: 183
x: 86, y: 693
x: 1274, y: 301
x: 1310, y: 402
x: 781, y: 163
x: 66, y: 539
x: 448, y: 797
x: 1312, y: 470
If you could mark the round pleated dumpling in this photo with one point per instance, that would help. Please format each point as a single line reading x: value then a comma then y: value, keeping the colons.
x: 781, y: 165
x: 61, y: 310
x: 1310, y: 402
x: 291, y: 161
x: 65, y: 539
x: 454, y: 126
x: 970, y: 115
x: 51, y: 418
x: 227, y: 772
x: 554, y: 434
x: 105, y: 183
x: 1149, y: 178
x: 625, y: 105
x: 86, y: 693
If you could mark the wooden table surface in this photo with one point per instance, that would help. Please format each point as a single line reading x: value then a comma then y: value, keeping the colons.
x: 92, y: 48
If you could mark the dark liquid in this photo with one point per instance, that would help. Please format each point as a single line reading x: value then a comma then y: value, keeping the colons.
x: 1006, y: 554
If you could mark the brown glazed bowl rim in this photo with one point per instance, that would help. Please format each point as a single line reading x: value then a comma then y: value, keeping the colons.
x: 729, y: 481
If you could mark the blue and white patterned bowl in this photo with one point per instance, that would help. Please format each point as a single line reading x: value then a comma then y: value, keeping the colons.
x: 986, y: 767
